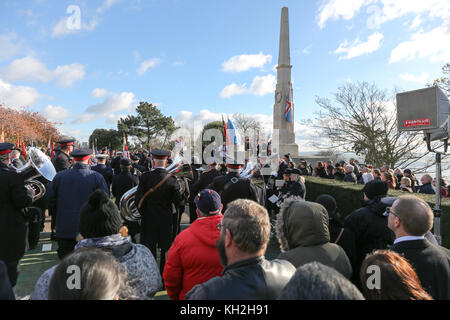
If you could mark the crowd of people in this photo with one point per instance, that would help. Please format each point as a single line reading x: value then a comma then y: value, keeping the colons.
x: 398, y: 179
x: 382, y: 251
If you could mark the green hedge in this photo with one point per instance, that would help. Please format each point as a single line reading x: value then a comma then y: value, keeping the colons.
x: 349, y: 197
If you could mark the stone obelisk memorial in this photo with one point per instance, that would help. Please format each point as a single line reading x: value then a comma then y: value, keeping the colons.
x: 283, y: 121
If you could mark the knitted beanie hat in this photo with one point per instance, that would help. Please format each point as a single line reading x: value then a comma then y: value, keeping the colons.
x: 99, y: 217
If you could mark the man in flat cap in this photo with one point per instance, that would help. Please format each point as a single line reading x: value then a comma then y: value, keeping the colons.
x: 67, y: 193
x: 62, y: 160
x: 155, y: 196
x: 13, y: 197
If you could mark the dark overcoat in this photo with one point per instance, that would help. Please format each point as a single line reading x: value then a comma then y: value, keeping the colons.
x: 68, y: 192
x: 13, y: 197
x: 156, y: 210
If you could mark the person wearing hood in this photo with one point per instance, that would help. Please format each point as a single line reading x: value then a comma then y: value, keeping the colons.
x: 100, y: 227
x: 338, y: 235
x: 193, y: 257
x: 369, y: 225
x: 303, y: 233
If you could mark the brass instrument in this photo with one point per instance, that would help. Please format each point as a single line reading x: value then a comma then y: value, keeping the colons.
x: 127, y: 205
x: 38, y: 164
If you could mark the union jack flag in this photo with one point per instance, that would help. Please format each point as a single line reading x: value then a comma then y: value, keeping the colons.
x: 289, y: 106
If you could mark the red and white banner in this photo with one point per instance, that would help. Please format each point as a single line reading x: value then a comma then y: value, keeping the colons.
x: 417, y: 123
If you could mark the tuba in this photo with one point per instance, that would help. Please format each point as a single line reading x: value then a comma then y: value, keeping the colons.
x: 38, y: 165
x: 128, y: 207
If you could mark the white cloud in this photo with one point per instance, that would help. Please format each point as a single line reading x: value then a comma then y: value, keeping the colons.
x: 66, y: 75
x: 17, y: 96
x: 107, y: 4
x: 260, y: 86
x: 61, y: 29
x: 335, y: 9
x: 107, y: 109
x: 55, y: 113
x: 9, y: 45
x: 28, y: 69
x: 433, y: 45
x: 233, y: 90
x: 358, y: 48
x: 32, y: 69
x: 416, y: 22
x: 421, y: 78
x: 114, y: 118
x: 145, y: 65
x: 263, y: 85
x: 123, y: 101
x: 381, y: 11
x: 307, y: 49
x: 245, y: 62
x: 99, y: 93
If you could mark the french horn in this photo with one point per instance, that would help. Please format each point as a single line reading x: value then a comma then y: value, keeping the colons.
x: 38, y: 165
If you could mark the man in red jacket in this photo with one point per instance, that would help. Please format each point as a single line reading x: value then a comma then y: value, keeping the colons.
x: 193, y: 257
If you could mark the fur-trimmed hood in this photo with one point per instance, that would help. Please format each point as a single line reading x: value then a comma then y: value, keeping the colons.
x: 301, y: 223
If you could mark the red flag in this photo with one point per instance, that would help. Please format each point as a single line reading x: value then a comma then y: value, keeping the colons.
x: 224, y: 129
x: 53, y: 150
x: 24, y: 151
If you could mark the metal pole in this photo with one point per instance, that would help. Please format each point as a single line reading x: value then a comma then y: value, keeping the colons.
x: 437, y: 208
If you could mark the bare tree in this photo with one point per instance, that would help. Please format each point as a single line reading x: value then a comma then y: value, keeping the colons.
x: 362, y: 119
x: 444, y: 82
x: 246, y: 125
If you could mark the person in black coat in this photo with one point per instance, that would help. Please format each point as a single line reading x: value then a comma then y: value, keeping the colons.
x: 232, y: 186
x: 203, y: 182
x: 426, y: 186
x: 135, y: 166
x: 369, y: 225
x: 205, y: 179
x: 338, y: 235
x: 62, y: 159
x: 320, y: 171
x: 123, y: 182
x: 157, y: 206
x: 411, y: 218
x: 115, y: 163
x: 349, y: 174
x: 105, y: 170
x: 296, y: 188
x: 6, y: 292
x: 67, y: 193
x: 14, y: 198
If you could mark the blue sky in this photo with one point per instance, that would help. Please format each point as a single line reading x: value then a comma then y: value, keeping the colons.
x: 200, y: 59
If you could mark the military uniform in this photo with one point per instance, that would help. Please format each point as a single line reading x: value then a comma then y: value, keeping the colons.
x: 232, y: 186
x: 13, y: 226
x: 61, y: 161
x: 115, y: 164
x: 123, y: 182
x: 157, y: 210
x: 105, y: 170
x: 67, y: 193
